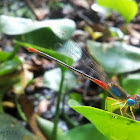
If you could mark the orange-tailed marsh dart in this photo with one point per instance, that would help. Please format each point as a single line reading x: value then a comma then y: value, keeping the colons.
x: 120, y: 95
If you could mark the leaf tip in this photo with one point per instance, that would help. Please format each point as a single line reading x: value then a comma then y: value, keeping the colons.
x: 72, y: 103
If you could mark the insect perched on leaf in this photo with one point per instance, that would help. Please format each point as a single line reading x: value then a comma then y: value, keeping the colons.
x: 120, y: 95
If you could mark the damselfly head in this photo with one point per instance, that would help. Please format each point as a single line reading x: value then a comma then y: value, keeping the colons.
x: 134, y: 101
x: 131, y: 102
x: 137, y: 100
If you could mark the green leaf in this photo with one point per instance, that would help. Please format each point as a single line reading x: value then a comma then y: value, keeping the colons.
x: 131, y: 83
x: 52, y: 80
x: 9, y: 66
x: 11, y: 129
x: 115, y: 57
x: 113, y: 126
x: 84, y: 132
x: 52, y: 53
x: 116, y: 32
x: 127, y: 8
x: 8, y: 25
x: 9, y: 79
x: 46, y: 127
x: 41, y: 34
x: 43, y: 37
x: 9, y: 69
x: 4, y: 56
x: 75, y: 96
x: 114, y: 107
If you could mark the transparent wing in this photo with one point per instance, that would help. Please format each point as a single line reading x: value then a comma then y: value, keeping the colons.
x: 86, y: 63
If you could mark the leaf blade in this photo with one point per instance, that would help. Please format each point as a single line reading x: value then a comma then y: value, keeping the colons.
x: 127, y: 8
x: 111, y: 125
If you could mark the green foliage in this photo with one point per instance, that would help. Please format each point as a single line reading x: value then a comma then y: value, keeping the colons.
x: 11, y: 129
x: 131, y: 83
x: 114, y: 107
x: 43, y: 37
x: 116, y: 32
x: 9, y: 80
x: 52, y: 80
x: 39, y: 35
x: 8, y: 25
x: 127, y: 8
x: 46, y: 127
x: 111, y: 125
x: 4, y: 56
x: 84, y: 132
x: 56, y: 55
x: 8, y: 67
x: 115, y: 57
x: 76, y: 96
x: 15, y: 8
x: 56, y: 5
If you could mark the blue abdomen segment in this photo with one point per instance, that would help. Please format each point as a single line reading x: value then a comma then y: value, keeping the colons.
x: 115, y: 91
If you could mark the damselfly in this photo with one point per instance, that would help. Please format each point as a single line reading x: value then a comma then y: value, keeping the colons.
x: 120, y: 95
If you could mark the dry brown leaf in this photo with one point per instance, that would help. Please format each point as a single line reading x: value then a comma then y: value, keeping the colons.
x: 81, y: 3
x: 28, y: 109
x: 133, y: 32
x: 38, y: 82
x: 8, y: 104
x: 25, y: 76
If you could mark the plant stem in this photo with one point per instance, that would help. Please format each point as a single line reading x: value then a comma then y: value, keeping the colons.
x: 124, y: 31
x: 105, y: 94
x: 22, y: 115
x: 69, y: 121
x: 13, y: 53
x: 66, y: 117
x: 54, y: 132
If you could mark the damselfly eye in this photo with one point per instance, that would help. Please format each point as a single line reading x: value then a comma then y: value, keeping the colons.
x: 138, y: 96
x: 130, y: 102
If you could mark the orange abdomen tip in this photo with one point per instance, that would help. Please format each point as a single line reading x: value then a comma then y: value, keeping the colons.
x: 32, y: 50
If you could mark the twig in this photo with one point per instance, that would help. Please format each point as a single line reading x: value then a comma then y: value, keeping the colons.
x: 31, y: 6
x: 28, y: 109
